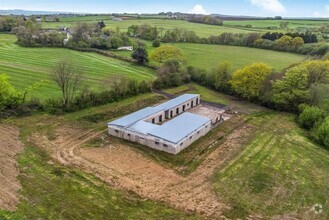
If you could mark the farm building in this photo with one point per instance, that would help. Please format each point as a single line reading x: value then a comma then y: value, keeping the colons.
x: 167, y: 127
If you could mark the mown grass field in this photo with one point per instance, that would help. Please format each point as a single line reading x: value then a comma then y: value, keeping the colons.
x: 52, y: 191
x: 26, y: 66
x: 280, y: 172
x: 210, y: 56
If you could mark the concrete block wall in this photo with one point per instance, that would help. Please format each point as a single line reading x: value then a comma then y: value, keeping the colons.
x: 156, y: 118
x: 180, y: 108
x: 193, y: 137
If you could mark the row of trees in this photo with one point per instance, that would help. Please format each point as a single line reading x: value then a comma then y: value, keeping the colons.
x: 206, y: 19
x: 83, y: 35
x: 303, y: 89
x: 307, y: 37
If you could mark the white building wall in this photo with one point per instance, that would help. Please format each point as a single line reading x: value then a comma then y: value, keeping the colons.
x: 157, y: 143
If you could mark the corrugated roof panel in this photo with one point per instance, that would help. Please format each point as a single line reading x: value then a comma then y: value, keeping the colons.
x: 136, y: 116
x: 143, y: 127
x: 180, y: 127
x: 177, y: 101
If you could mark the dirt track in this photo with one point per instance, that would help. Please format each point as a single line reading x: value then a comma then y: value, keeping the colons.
x: 124, y: 168
x: 10, y: 146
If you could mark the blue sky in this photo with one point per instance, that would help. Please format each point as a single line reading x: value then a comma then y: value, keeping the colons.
x: 288, y: 8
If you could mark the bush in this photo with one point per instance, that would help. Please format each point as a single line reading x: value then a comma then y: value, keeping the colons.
x: 156, y: 43
x: 321, y: 133
x: 310, y: 116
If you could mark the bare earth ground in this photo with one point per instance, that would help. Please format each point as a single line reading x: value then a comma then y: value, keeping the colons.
x: 124, y: 168
x: 10, y: 146
x: 211, y: 112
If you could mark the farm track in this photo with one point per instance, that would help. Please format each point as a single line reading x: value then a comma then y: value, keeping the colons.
x: 9, y: 185
x: 122, y: 167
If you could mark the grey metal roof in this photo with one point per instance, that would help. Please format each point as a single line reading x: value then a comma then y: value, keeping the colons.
x: 136, y: 116
x: 177, y: 101
x: 179, y: 128
x: 143, y: 127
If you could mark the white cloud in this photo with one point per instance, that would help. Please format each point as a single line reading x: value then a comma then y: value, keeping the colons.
x: 198, y: 9
x: 325, y: 13
x: 269, y: 5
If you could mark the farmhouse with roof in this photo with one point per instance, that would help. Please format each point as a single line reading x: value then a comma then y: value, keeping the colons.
x: 167, y: 127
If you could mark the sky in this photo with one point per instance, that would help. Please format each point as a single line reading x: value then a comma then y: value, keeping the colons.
x: 286, y: 8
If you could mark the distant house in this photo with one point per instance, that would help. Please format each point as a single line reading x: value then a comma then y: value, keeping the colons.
x: 39, y: 19
x: 129, y: 48
x: 117, y: 19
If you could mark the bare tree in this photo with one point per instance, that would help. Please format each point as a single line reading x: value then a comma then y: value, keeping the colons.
x: 68, y: 76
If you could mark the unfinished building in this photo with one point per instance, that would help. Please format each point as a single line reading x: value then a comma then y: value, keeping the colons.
x: 167, y: 127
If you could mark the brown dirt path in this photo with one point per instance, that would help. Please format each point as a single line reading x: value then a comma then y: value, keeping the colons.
x: 124, y: 168
x: 10, y: 146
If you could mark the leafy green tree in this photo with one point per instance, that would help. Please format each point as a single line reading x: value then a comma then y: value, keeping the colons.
x: 248, y: 81
x: 171, y: 74
x: 297, y: 42
x: 116, y: 42
x: 140, y: 55
x: 222, y: 75
x: 310, y: 116
x: 132, y: 30
x: 318, y: 72
x: 319, y: 95
x: 9, y: 96
x: 166, y: 52
x: 284, y: 43
x: 291, y: 90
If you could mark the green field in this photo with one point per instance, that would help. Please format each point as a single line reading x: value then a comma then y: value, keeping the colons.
x: 266, y: 24
x: 26, y: 66
x: 86, y: 18
x: 210, y: 56
x: 280, y: 172
x: 201, y: 30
